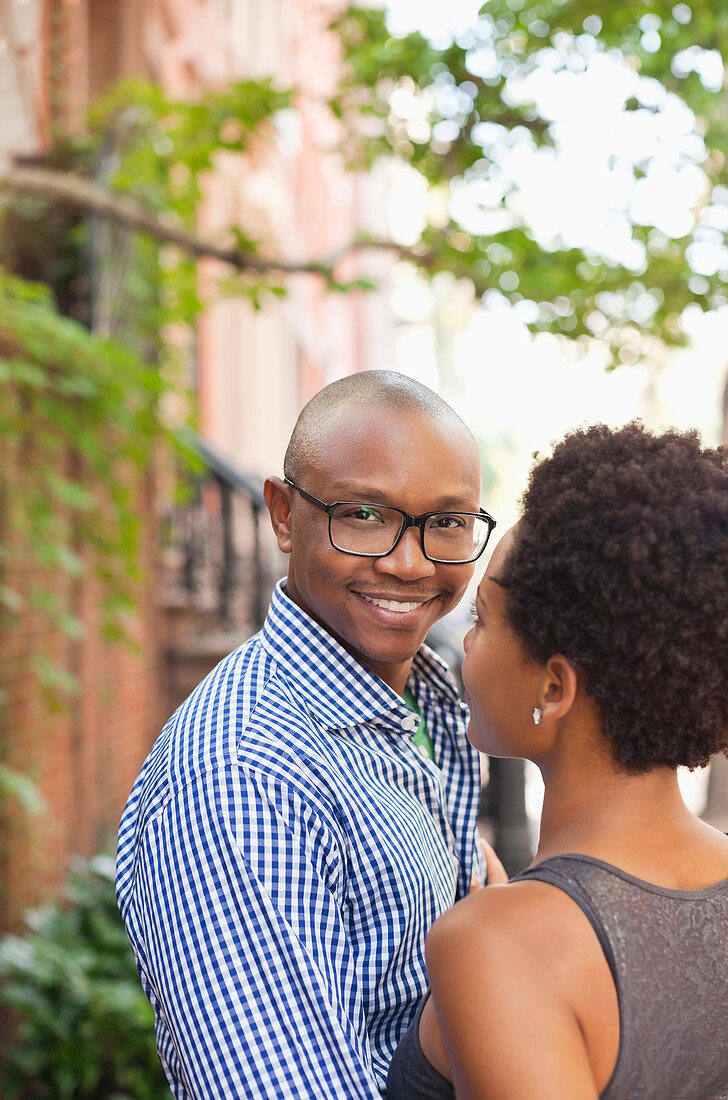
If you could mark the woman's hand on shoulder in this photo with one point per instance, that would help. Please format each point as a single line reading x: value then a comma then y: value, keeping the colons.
x: 494, y: 961
x: 495, y: 871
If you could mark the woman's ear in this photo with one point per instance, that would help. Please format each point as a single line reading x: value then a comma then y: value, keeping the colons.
x: 559, y: 688
x: 278, y: 498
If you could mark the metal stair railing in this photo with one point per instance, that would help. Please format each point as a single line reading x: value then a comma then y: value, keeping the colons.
x: 214, y: 540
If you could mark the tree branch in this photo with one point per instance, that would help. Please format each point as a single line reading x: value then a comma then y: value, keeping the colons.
x: 82, y: 193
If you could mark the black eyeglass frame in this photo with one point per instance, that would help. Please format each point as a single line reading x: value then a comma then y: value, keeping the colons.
x: 408, y: 521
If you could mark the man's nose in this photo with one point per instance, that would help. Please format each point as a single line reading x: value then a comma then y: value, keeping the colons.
x: 406, y: 560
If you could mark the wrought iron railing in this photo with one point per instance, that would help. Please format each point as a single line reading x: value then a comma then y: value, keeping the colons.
x: 215, y: 544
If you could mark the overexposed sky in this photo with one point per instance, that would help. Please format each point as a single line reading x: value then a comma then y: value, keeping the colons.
x: 521, y: 393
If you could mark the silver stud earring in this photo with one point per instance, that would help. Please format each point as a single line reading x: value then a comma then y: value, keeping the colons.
x: 537, y: 716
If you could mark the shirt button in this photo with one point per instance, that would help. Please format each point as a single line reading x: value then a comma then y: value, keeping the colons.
x: 410, y: 723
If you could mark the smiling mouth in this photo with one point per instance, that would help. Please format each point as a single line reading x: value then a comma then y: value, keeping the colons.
x: 400, y: 606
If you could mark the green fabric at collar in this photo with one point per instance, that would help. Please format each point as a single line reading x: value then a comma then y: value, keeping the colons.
x: 421, y: 737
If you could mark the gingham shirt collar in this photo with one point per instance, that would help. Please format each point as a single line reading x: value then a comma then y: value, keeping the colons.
x: 339, y: 690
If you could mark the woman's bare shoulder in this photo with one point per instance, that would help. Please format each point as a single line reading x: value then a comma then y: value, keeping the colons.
x: 502, y: 965
x: 530, y: 931
x: 533, y: 914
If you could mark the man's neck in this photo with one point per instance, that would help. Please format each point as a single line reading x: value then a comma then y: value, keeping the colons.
x: 394, y: 675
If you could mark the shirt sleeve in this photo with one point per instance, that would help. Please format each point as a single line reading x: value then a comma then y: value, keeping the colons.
x: 238, y: 927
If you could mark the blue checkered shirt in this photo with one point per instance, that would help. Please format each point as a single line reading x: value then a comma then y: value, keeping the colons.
x: 281, y: 857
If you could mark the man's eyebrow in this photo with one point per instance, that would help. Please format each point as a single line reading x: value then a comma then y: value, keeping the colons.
x: 349, y: 490
x: 463, y: 503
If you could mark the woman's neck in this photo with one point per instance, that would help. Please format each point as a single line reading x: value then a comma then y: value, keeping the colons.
x: 637, y: 822
x: 608, y: 808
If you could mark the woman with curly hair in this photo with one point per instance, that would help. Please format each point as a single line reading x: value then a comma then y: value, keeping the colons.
x: 599, y: 651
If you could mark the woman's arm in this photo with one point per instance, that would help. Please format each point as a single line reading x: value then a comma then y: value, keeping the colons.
x: 504, y: 968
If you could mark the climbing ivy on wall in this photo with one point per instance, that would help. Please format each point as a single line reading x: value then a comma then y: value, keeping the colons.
x: 86, y: 309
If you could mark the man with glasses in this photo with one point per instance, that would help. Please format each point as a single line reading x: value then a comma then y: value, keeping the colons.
x: 311, y: 808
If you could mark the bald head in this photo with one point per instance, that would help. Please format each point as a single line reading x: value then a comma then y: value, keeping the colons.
x: 376, y: 389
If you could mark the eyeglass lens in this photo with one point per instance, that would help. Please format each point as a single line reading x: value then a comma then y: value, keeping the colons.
x: 374, y: 529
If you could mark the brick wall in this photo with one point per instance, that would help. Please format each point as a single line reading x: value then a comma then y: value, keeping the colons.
x: 83, y: 757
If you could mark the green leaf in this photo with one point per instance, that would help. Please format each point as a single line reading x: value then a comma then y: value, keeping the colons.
x: 54, y: 678
x: 11, y: 598
x: 85, y: 1028
x: 18, y: 787
x: 71, y: 493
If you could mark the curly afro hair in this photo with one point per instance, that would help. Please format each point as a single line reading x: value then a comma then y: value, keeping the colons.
x: 620, y: 562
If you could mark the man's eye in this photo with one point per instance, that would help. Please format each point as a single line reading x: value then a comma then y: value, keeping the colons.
x: 448, y: 522
x: 365, y: 514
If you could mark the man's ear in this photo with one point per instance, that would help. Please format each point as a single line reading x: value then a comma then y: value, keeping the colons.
x: 278, y: 498
x: 559, y: 688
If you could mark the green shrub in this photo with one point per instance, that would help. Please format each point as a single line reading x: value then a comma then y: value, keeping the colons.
x: 85, y: 1030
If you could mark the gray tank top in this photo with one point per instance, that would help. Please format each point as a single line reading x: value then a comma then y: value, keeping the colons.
x: 668, y: 954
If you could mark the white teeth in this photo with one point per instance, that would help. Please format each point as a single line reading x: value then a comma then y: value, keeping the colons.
x: 390, y: 605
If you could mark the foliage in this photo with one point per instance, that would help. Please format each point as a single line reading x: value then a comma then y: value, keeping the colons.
x: 85, y: 1029
x: 169, y: 144
x: 94, y: 322
x: 78, y: 414
x: 164, y: 150
x: 66, y: 386
x: 462, y: 111
x: 48, y: 242
x: 77, y: 419
x: 86, y: 309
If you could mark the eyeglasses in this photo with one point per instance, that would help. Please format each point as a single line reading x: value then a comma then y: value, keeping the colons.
x: 374, y: 530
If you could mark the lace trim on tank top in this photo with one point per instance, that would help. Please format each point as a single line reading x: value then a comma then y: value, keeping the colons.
x: 667, y: 950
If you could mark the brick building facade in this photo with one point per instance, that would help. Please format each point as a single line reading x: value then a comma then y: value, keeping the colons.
x: 253, y: 370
